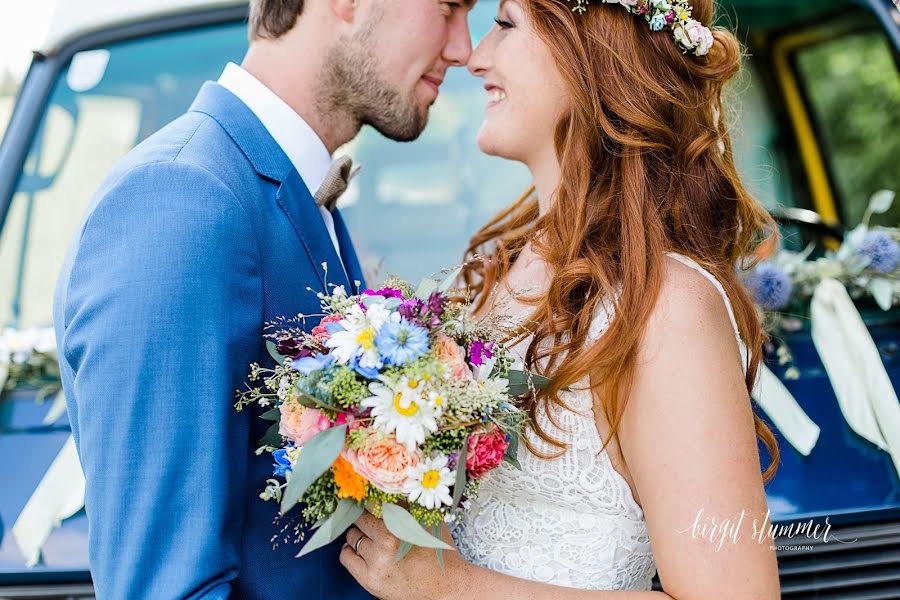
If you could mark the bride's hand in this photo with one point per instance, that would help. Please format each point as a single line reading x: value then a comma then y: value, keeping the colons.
x: 417, y: 576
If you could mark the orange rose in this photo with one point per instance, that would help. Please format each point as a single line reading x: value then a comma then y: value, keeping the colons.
x: 350, y: 484
x: 452, y: 355
x: 383, y: 461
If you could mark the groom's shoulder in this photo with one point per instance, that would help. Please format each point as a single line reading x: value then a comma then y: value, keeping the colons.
x: 192, y: 146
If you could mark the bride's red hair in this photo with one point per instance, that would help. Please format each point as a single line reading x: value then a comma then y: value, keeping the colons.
x: 647, y: 167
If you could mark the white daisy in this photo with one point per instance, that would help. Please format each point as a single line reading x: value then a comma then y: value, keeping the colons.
x: 402, y: 410
x: 357, y: 339
x: 429, y: 482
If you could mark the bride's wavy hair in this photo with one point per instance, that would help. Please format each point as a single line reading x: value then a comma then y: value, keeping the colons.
x: 647, y: 167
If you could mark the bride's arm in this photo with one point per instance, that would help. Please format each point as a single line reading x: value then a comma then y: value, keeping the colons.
x: 688, y: 438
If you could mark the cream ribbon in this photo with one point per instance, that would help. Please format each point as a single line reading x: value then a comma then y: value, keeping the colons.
x: 58, y: 496
x: 861, y: 384
x: 785, y: 413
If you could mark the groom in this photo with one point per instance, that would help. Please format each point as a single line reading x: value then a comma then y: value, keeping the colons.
x: 210, y: 228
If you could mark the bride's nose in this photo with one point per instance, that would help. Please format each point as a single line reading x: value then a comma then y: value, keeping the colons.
x: 480, y: 62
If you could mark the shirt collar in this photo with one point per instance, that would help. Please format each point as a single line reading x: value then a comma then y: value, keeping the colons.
x: 296, y: 138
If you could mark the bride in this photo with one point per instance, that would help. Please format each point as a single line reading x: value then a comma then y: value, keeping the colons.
x: 619, y: 264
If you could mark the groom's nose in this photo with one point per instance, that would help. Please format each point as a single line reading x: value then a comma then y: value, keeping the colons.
x: 458, y: 48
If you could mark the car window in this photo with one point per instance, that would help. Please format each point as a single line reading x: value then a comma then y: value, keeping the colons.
x: 104, y: 103
x: 853, y: 90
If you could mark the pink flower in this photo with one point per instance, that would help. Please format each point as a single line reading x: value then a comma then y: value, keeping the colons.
x: 485, y: 451
x: 452, y: 355
x: 384, y: 462
x: 300, y: 423
x: 320, y: 332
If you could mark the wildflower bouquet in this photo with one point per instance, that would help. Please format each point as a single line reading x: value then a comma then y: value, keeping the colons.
x: 395, y: 401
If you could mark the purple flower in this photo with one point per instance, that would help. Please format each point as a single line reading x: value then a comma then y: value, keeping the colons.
x: 770, y: 286
x: 411, y: 310
x: 385, y: 292
x: 881, y: 249
x: 291, y: 348
x: 478, y: 351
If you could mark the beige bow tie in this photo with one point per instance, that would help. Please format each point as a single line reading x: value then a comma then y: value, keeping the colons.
x: 336, y: 180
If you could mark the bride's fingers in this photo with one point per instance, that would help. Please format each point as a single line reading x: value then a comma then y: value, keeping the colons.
x: 354, y: 563
x: 372, y: 527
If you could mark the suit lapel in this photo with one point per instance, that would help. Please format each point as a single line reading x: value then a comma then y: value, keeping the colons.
x: 348, y: 252
x: 298, y: 204
x: 270, y: 162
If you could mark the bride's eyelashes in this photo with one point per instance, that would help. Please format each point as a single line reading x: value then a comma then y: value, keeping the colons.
x: 503, y: 24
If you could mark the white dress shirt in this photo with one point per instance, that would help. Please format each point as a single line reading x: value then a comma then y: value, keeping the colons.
x: 296, y: 138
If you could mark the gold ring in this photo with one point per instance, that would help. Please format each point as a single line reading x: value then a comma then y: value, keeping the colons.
x: 358, y: 542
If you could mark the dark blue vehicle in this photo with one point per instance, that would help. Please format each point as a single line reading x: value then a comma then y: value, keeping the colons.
x: 111, y: 75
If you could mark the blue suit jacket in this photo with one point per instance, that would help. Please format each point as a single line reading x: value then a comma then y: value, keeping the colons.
x: 200, y: 235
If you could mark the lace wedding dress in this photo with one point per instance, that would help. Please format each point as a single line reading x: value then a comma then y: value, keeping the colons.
x: 570, y: 521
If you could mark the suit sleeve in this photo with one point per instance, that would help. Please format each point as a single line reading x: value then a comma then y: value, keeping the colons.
x: 163, y: 317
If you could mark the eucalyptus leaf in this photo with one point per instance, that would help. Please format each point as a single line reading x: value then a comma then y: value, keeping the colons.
x: 407, y: 529
x: 404, y: 549
x: 426, y: 288
x: 273, y: 352
x: 447, y: 282
x: 309, y: 400
x: 317, y: 456
x: 271, y: 438
x: 512, y: 451
x: 513, y: 461
x: 460, y: 484
x: 271, y: 415
x: 370, y: 301
x: 522, y: 382
x: 883, y: 291
x: 436, y: 532
x: 392, y: 303
x: 345, y: 515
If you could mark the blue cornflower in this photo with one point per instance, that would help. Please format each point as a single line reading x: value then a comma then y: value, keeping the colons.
x: 282, y: 464
x: 401, y: 342
x: 881, y: 249
x: 308, y: 364
x: 770, y: 285
x: 658, y: 22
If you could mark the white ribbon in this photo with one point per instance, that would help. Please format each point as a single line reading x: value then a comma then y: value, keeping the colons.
x: 861, y: 384
x: 58, y: 496
x: 785, y: 413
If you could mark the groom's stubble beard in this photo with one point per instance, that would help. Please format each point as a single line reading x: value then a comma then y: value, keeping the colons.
x: 353, y: 88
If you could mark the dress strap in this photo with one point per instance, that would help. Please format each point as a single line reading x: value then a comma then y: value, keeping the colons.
x: 712, y: 279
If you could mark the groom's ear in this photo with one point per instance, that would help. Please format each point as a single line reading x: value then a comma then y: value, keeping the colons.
x: 346, y: 10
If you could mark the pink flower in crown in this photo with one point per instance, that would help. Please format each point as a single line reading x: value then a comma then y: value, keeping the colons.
x: 452, y: 356
x: 485, y: 451
x: 383, y: 461
x: 300, y: 423
x: 320, y: 332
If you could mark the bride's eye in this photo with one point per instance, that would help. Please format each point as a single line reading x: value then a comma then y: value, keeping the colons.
x: 503, y: 24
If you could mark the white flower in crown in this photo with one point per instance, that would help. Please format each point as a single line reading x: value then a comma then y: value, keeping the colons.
x: 700, y: 35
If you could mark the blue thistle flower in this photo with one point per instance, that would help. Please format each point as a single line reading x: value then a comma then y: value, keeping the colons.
x: 770, y: 286
x: 881, y: 249
x: 401, y: 342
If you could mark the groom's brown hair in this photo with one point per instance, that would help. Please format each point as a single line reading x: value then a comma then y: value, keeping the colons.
x: 270, y: 19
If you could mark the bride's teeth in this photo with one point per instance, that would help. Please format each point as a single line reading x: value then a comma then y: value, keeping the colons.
x: 497, y: 95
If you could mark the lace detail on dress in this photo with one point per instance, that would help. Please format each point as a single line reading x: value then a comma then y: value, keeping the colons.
x: 570, y: 521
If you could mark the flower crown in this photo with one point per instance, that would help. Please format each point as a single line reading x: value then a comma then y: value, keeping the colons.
x: 691, y: 35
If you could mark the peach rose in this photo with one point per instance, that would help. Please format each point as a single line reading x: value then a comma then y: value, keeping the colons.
x: 383, y: 461
x: 300, y: 424
x: 452, y: 355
